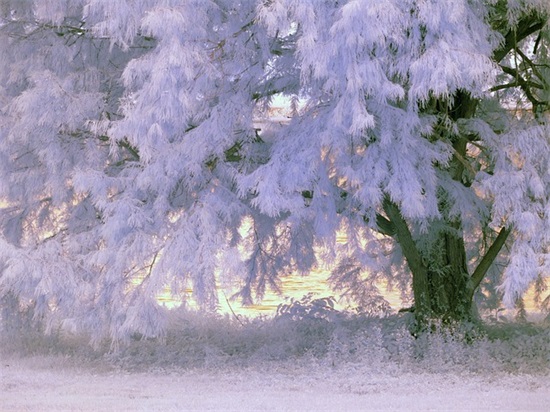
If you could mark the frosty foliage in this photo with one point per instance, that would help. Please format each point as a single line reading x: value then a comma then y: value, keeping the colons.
x: 131, y: 162
x: 309, y: 334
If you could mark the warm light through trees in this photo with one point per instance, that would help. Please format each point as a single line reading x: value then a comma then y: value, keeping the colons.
x: 129, y: 146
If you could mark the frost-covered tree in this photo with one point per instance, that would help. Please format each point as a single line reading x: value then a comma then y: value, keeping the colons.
x: 133, y: 155
x: 408, y: 144
x: 122, y: 125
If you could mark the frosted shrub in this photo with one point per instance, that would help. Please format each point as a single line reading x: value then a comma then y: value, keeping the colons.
x: 195, y: 339
x: 309, y: 308
x: 307, y: 324
x: 367, y: 342
x: 520, y: 347
x: 439, y: 349
x: 21, y: 329
x: 376, y: 344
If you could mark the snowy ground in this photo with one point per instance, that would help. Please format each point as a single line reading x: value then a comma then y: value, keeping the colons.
x: 49, y: 383
x: 293, y: 362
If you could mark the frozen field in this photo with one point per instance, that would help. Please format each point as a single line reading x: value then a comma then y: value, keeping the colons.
x: 310, y: 364
x: 57, y: 384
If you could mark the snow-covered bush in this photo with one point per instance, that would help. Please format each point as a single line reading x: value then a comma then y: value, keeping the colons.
x: 345, y: 340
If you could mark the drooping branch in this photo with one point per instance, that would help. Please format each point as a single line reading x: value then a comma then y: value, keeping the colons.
x: 533, y: 66
x: 487, y: 260
x: 510, y: 85
x: 524, y: 84
x: 134, y: 152
x: 525, y: 27
x: 385, y: 226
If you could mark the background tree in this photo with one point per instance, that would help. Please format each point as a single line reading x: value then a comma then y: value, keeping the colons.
x: 131, y: 159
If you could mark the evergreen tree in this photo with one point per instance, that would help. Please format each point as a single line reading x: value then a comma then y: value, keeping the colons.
x: 131, y: 160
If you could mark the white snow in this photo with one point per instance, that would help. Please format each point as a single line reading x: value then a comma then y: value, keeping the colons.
x: 301, y: 360
x: 53, y: 383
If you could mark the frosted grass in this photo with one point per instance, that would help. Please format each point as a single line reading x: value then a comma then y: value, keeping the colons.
x: 307, y: 332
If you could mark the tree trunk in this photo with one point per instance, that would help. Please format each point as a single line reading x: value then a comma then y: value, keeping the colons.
x: 442, y: 285
x: 448, y: 280
x: 421, y: 290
